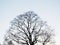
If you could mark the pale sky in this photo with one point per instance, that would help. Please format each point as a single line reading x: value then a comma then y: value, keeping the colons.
x: 48, y: 10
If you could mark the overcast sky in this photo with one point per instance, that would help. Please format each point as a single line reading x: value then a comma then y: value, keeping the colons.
x: 48, y: 10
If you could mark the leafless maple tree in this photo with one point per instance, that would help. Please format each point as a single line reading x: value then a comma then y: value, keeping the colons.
x: 28, y: 29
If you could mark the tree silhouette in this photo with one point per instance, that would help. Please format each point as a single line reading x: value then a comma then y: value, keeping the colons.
x: 28, y: 29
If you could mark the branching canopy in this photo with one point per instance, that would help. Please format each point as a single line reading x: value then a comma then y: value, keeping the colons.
x: 28, y: 29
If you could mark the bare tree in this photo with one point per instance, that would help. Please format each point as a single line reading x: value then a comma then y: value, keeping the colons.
x: 47, y: 36
x: 27, y: 29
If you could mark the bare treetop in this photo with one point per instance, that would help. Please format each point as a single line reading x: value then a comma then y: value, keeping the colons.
x: 28, y: 29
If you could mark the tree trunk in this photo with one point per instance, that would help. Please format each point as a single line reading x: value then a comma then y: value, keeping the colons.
x: 32, y: 43
x: 43, y: 43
